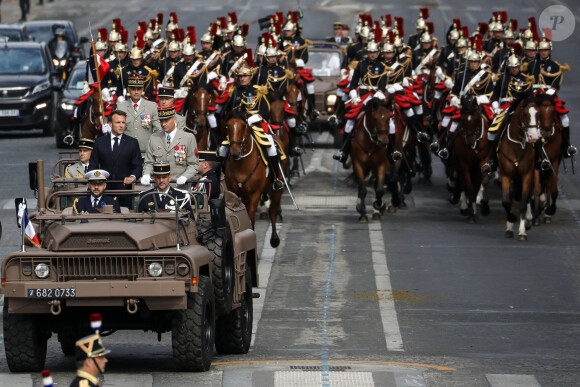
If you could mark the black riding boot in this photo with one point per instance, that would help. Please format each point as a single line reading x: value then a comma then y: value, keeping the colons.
x: 568, y: 149
x: 273, y: 164
x: 422, y: 134
x: 542, y: 163
x: 342, y: 154
x: 312, y: 112
x: 447, y: 145
x: 492, y: 146
x: 338, y: 116
x: 392, y: 153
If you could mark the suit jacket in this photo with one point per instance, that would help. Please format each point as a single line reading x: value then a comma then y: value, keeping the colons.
x: 75, y: 171
x: 144, y: 123
x: 125, y: 163
x: 183, y: 160
x: 85, y: 204
x: 148, y: 204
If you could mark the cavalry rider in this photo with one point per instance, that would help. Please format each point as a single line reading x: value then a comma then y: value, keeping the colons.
x: 447, y: 53
x: 252, y: 101
x: 530, y: 53
x: 475, y: 80
x: 496, y: 42
x: 292, y: 43
x: 370, y: 77
x: 421, y: 27
x: 173, y: 58
x: 182, y: 68
x: 116, y: 67
x: 548, y: 74
x: 511, y: 86
x: 271, y: 74
x: 232, y: 59
x: 138, y: 69
x: 500, y: 57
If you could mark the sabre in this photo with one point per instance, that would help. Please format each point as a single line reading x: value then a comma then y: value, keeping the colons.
x: 288, y: 187
x: 547, y: 158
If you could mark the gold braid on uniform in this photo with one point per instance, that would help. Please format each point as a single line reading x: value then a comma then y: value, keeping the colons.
x: 369, y: 77
x: 261, y: 92
x: 394, y: 75
x: 554, y: 76
x: 515, y: 88
x: 482, y: 85
x: 271, y: 81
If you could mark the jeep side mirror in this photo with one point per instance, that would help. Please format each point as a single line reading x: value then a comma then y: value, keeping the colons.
x: 217, y: 209
x: 32, y: 176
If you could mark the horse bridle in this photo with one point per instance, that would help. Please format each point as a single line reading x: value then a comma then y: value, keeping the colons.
x: 242, y: 144
x: 374, y: 136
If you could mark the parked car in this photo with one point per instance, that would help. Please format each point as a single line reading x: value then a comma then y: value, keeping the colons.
x: 14, y: 32
x: 65, y: 106
x: 43, y: 31
x: 28, y: 88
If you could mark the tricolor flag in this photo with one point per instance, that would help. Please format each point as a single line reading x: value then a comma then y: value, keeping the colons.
x: 28, y: 228
x: 102, y: 64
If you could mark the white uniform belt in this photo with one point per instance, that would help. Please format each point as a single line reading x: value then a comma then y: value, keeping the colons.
x: 506, y: 100
x: 363, y: 87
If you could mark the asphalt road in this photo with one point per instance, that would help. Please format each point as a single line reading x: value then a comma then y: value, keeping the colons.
x: 420, y: 298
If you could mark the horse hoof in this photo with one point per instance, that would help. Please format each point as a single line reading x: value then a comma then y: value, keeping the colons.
x: 392, y: 209
x: 485, y: 208
x: 548, y: 220
x: 453, y: 199
x: 522, y: 238
x: 363, y: 219
x: 528, y: 224
x: 464, y: 212
x: 376, y: 216
x: 274, y: 241
x: 403, y: 206
x: 279, y: 218
x: 536, y: 222
x: 509, y: 234
x: 264, y: 216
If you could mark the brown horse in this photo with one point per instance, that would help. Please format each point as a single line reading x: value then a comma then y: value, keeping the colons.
x: 198, y: 103
x: 369, y: 153
x: 246, y: 173
x: 470, y: 155
x: 90, y: 125
x: 516, y: 162
x: 546, y: 182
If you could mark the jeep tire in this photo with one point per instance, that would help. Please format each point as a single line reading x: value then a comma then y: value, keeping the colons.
x: 193, y: 329
x: 24, y: 341
x: 234, y: 331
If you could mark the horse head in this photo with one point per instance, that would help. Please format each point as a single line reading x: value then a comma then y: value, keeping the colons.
x: 547, y: 112
x: 526, y: 119
x: 291, y: 94
x: 471, y: 121
x: 197, y: 108
x: 377, y: 118
x: 238, y: 135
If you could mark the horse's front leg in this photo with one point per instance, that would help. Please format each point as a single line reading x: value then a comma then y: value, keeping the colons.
x: 552, y: 193
x: 379, y: 205
x: 526, y: 188
x: 359, y: 172
x: 506, y: 202
x: 537, y: 193
x: 273, y: 211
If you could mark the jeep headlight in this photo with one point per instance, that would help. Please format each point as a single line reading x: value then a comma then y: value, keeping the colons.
x: 41, y: 87
x: 67, y: 106
x: 63, y: 62
x: 42, y: 270
x: 155, y: 269
x: 55, y: 62
x: 330, y: 99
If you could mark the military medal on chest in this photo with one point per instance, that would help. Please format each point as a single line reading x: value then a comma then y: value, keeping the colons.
x: 180, y: 154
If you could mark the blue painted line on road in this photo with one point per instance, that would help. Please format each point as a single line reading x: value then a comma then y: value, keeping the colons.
x: 324, y: 352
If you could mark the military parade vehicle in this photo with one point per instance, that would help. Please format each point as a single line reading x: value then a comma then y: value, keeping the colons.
x: 189, y: 272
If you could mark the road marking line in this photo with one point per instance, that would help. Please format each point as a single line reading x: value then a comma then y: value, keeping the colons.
x: 265, y: 260
x: 324, y: 352
x: 383, y: 283
x: 337, y: 362
x: 505, y: 380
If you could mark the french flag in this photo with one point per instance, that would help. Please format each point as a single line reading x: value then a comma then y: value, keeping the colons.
x: 28, y: 228
x: 102, y: 65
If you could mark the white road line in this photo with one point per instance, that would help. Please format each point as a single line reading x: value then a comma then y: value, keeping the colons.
x: 505, y: 380
x: 265, y: 260
x: 470, y: 17
x: 16, y: 380
x: 383, y: 284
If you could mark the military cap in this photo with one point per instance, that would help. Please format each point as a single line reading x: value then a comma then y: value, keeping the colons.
x: 166, y: 92
x: 345, y: 27
x: 90, y: 347
x: 86, y: 143
x: 337, y: 25
x: 161, y: 168
x: 166, y: 112
x: 136, y: 81
x: 97, y: 175
x: 207, y: 155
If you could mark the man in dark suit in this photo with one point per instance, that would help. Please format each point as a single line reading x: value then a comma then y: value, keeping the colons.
x: 117, y: 153
x: 337, y: 38
x: 93, y: 204
x: 163, y: 201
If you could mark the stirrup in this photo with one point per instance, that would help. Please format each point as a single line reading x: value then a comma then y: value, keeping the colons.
x: 423, y: 137
x: 314, y: 114
x: 572, y: 150
x: 545, y: 164
x: 333, y: 121
x: 443, y: 154
x: 434, y: 146
x: 277, y: 185
x: 340, y: 156
x: 296, y: 151
x: 486, y: 168
x: 397, y: 155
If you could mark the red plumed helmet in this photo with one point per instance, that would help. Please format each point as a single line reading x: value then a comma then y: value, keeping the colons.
x: 124, y: 36
x: 139, y: 36
x: 457, y: 23
x: 250, y: 57
x: 400, y: 26
x: 103, y: 34
x: 389, y: 20
x: 117, y: 23
x: 280, y: 17
x: 160, y: 19
x: 424, y: 13
x: 465, y: 30
x: 503, y: 16
x: 244, y: 29
x: 223, y: 22
x: 142, y: 25
x: 517, y: 48
x: 514, y: 24
x: 294, y: 17
x: 430, y: 28
x: 153, y: 23
x: 534, y: 28
x: 483, y: 28
x: 213, y: 29
x: 191, y: 34
x: 391, y: 36
x: 478, y: 42
x: 233, y: 17
x: 377, y: 24
x: 278, y: 28
x: 174, y: 14
x: 378, y: 33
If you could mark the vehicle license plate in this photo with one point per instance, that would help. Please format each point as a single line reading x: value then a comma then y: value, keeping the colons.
x: 9, y: 112
x: 52, y: 293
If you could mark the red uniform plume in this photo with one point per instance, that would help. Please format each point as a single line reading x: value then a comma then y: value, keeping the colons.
x: 214, y: 28
x: 153, y: 23
x: 483, y: 28
x: 424, y: 13
x: 391, y: 36
x: 104, y: 35
x: 223, y: 22
x: 244, y: 29
x: 280, y: 17
x: 233, y: 17
x: 517, y: 49
x: 160, y: 19
x: 250, y: 58
x: 142, y: 25
x: 124, y: 36
x: 191, y: 34
x: 174, y: 14
x: 457, y: 23
x: 400, y: 26
x: 534, y: 28
x: 514, y: 24
x: 465, y: 30
x: 503, y: 17
x: 117, y: 23
x: 139, y: 37
x: 430, y: 27
x: 378, y: 33
x: 389, y: 20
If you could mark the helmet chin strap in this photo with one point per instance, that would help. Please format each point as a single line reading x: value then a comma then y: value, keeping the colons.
x: 97, y: 365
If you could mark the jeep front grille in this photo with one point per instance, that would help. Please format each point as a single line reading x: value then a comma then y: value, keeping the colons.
x: 83, y: 268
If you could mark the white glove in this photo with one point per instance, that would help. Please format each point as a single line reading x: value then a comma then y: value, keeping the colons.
x: 449, y: 83
x: 455, y: 101
x: 106, y: 95
x: 223, y: 83
x: 254, y: 118
x: 439, y: 73
x: 391, y: 90
x: 145, y: 179
x: 405, y: 82
x: 353, y: 94
x: 120, y: 99
x: 398, y: 87
x: 482, y: 100
x: 180, y: 93
x: 495, y: 105
x: 86, y: 88
x: 181, y: 180
x: 379, y: 94
x: 106, y: 128
x: 551, y: 91
x: 212, y: 75
x: 497, y: 111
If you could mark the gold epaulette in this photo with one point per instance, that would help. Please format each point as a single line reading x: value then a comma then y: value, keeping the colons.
x: 524, y: 67
x: 289, y: 74
x: 352, y: 65
x: 231, y: 90
x: 563, y: 67
x: 261, y: 90
x: 308, y: 42
x: 254, y: 70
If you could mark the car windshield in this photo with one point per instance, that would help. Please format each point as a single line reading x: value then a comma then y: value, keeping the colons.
x: 324, y: 63
x: 12, y: 34
x: 44, y: 33
x: 77, y: 79
x: 21, y: 61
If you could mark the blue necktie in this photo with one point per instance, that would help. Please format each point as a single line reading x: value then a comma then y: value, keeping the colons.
x: 168, y: 140
x: 116, y: 144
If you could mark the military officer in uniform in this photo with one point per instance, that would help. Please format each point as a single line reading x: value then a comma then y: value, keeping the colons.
x: 167, y: 198
x: 173, y: 58
x: 138, y: 69
x: 81, y: 167
x: 166, y: 96
x: 116, y: 67
x: 92, y: 204
x: 142, y: 118
x: 181, y: 68
x: 209, y: 182
x: 174, y: 145
x: 90, y: 360
x: 292, y: 43
x: 421, y: 28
